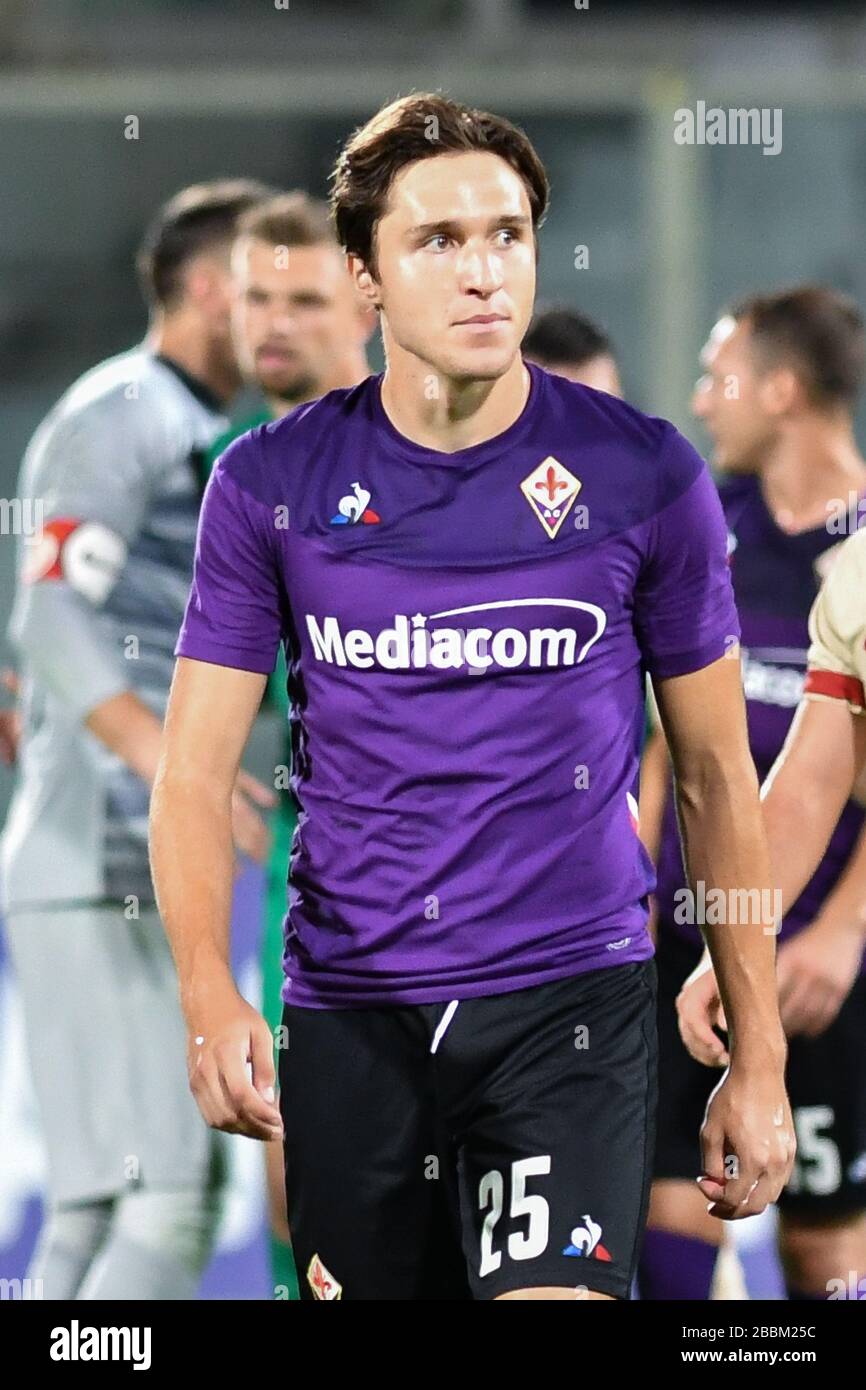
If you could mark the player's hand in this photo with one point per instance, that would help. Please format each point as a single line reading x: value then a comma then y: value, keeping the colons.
x: 815, y: 971
x: 699, y: 1012
x: 249, y: 828
x: 225, y: 1035
x: 747, y: 1142
x: 10, y: 720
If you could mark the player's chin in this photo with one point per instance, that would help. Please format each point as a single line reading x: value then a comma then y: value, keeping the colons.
x: 482, y: 363
x: 286, y: 385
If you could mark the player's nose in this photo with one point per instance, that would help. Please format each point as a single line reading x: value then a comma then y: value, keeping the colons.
x: 480, y: 269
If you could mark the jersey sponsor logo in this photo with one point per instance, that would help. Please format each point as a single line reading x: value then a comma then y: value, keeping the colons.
x: 768, y: 684
x: 85, y: 553
x: 586, y: 1241
x: 355, y: 507
x: 325, y: 1287
x: 550, y: 491
x: 411, y: 644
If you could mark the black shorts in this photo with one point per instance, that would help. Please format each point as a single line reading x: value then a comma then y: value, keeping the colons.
x: 826, y: 1081
x: 442, y: 1153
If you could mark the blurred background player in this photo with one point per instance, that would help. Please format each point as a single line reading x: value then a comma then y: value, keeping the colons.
x: 299, y: 330
x: 783, y: 372
x: 572, y: 345
x: 118, y: 466
x: 822, y: 765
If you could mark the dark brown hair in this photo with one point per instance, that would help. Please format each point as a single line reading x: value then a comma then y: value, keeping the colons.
x: 415, y: 127
x: 815, y: 330
x: 197, y: 219
x: 290, y: 219
x: 559, y: 334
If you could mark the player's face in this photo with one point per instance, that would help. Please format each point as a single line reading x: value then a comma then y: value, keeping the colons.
x: 730, y: 399
x: 294, y: 312
x: 598, y: 372
x: 456, y: 264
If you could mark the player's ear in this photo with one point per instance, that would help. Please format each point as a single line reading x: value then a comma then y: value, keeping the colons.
x: 363, y: 280
x: 783, y: 391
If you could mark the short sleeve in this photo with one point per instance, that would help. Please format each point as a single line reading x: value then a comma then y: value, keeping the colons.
x: 837, y: 629
x: 233, y: 614
x: 685, y: 615
x: 91, y: 472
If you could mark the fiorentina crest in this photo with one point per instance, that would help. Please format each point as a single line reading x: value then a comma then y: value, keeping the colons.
x: 550, y: 491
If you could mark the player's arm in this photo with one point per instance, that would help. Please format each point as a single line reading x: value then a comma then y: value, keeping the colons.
x: 817, y: 968
x: 94, y: 480
x: 227, y: 647
x: 96, y: 476
x: 126, y: 726
x: 724, y: 848
x: 817, y: 771
x: 819, y: 767
x: 687, y: 628
x: 210, y: 713
x: 824, y: 754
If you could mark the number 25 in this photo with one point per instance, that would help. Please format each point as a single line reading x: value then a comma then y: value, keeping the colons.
x: 521, y: 1246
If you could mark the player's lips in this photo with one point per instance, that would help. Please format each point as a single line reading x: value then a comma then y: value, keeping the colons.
x: 275, y: 354
x: 481, y: 323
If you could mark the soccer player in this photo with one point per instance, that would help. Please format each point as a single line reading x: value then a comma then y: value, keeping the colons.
x: 300, y: 329
x: 117, y: 466
x: 570, y: 344
x: 782, y: 375
x: 468, y: 1077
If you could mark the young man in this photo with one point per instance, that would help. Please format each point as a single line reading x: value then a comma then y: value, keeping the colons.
x: 117, y: 465
x: 467, y: 1086
x: 569, y: 344
x: 783, y: 372
x: 299, y: 329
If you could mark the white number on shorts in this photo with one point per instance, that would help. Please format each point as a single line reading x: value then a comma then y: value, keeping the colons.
x: 521, y: 1245
x: 817, y: 1167
x: 490, y: 1187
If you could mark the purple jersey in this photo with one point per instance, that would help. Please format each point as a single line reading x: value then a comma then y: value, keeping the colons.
x: 776, y: 577
x: 466, y: 637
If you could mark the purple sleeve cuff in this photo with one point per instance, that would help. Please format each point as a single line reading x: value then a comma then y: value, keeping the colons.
x: 237, y: 657
x: 683, y: 663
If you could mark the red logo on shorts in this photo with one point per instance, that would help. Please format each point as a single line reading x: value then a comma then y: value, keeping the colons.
x: 325, y: 1287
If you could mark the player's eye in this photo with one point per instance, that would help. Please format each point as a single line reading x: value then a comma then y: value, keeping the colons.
x: 511, y: 233
x: 439, y: 237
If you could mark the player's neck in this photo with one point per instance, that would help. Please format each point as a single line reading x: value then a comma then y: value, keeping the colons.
x: 813, y: 467
x: 193, y: 350
x: 447, y: 415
